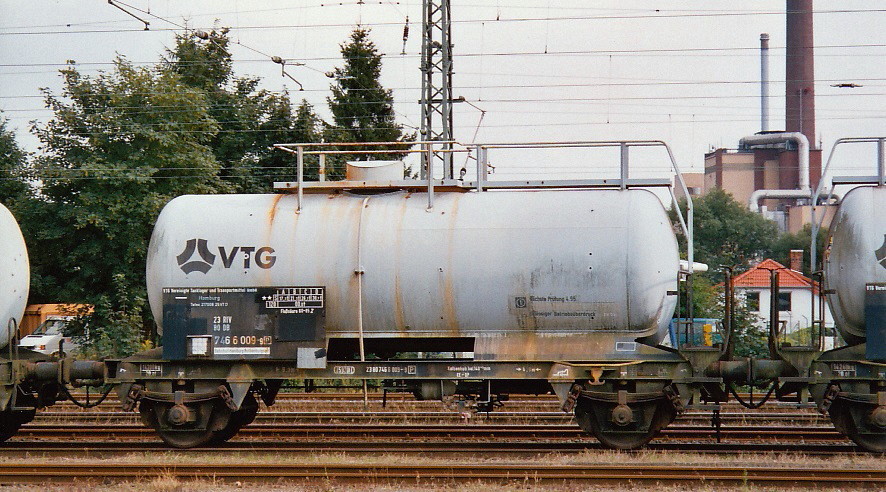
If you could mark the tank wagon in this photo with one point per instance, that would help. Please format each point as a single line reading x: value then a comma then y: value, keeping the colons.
x: 28, y: 380
x: 849, y: 383
x: 443, y: 287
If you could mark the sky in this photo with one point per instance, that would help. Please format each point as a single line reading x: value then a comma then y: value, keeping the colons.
x: 686, y: 72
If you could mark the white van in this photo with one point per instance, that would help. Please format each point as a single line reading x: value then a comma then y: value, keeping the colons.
x: 46, y: 337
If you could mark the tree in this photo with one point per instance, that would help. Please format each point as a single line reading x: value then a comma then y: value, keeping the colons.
x: 362, y: 110
x: 250, y: 120
x: 119, y: 146
x: 782, y: 246
x: 751, y: 337
x: 727, y: 233
x: 13, y: 161
x: 705, y: 300
x: 261, y: 165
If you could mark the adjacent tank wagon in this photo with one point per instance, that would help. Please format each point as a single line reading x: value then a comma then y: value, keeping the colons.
x: 849, y: 383
x: 14, y: 276
x: 855, y: 258
x: 28, y: 380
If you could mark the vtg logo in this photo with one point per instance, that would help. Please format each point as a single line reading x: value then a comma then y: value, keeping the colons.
x: 880, y: 254
x: 263, y: 257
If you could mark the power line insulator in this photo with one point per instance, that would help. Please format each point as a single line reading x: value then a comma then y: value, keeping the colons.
x: 405, y: 36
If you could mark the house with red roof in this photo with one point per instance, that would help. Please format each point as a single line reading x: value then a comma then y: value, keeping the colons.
x: 797, y: 294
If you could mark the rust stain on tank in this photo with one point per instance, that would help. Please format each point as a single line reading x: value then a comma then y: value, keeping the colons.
x: 266, y: 275
x: 449, y: 310
x: 399, y: 315
x: 353, y: 212
x: 272, y: 213
x: 330, y: 246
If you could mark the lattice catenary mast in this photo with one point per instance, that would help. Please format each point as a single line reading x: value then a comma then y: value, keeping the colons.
x: 436, y: 66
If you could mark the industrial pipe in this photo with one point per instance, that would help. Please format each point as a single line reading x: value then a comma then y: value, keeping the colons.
x: 802, y: 142
x: 754, y: 200
x: 764, y: 82
x: 696, y: 267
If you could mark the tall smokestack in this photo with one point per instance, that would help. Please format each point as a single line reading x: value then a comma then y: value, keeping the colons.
x: 799, y: 71
x: 764, y: 82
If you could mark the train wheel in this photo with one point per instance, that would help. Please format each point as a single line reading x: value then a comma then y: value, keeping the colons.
x: 9, y: 425
x: 238, y: 420
x: 865, y: 424
x: 185, y: 438
x: 11, y: 421
x: 185, y: 426
x: 621, y: 426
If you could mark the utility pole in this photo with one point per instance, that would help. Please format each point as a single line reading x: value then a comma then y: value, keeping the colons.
x: 436, y: 100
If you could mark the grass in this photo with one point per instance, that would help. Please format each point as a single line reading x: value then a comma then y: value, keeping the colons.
x: 587, y: 457
x: 168, y: 482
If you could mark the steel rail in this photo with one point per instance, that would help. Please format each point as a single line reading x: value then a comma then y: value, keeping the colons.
x: 428, y: 431
x: 94, y: 449
x: 454, y: 473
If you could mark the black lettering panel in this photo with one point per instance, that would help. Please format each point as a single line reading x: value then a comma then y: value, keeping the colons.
x: 875, y: 321
x: 243, y: 322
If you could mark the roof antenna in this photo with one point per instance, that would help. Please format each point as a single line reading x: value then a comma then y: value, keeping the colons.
x: 111, y: 3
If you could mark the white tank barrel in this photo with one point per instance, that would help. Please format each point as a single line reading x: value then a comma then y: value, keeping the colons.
x: 548, y: 263
x: 856, y: 256
x: 14, y: 274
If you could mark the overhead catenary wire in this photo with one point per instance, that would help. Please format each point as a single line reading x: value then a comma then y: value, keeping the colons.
x: 684, y: 51
x: 820, y: 82
x: 642, y: 102
x: 460, y: 5
x: 527, y: 124
x: 498, y: 19
x: 512, y: 103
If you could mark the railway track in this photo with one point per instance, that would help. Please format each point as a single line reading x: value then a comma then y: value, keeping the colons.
x: 555, y: 432
x: 394, y: 474
x: 511, y: 448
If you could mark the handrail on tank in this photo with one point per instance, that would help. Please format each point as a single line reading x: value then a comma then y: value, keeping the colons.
x: 482, y: 150
x: 881, y: 181
x: 427, y: 147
